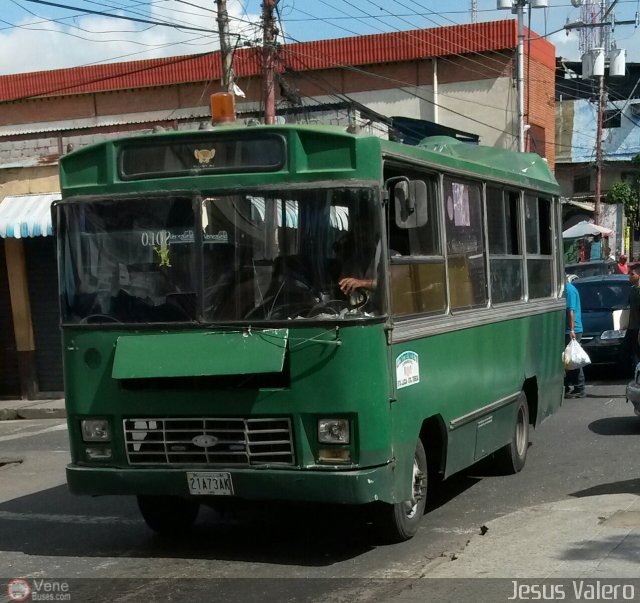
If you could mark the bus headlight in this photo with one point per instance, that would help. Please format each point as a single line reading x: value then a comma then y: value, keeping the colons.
x: 95, y: 430
x: 618, y: 334
x: 333, y: 431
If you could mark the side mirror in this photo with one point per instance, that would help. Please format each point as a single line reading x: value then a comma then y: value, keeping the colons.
x: 410, y: 197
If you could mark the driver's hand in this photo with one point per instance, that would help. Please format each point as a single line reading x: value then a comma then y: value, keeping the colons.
x: 348, y: 285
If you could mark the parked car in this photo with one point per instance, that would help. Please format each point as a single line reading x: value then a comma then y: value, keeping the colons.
x: 595, y: 268
x: 605, y: 308
x: 633, y: 391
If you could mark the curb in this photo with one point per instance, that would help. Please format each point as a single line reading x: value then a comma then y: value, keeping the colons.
x: 12, y: 414
x: 8, y: 414
x: 42, y: 413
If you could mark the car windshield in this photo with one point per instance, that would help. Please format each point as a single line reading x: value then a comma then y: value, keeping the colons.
x: 274, y: 255
x: 603, y: 296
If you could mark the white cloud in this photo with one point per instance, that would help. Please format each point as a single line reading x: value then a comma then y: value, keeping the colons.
x: 94, y: 38
x: 567, y: 46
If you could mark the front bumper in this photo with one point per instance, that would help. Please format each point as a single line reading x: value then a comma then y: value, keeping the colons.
x: 296, y: 485
x: 633, y: 395
x: 608, y: 351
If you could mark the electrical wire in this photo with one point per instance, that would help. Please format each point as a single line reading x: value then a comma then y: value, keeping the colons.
x: 136, y: 19
x: 161, y: 23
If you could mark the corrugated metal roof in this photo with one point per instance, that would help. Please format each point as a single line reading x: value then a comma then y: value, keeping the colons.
x: 26, y: 162
x: 302, y: 56
x: 101, y: 121
x: 26, y: 215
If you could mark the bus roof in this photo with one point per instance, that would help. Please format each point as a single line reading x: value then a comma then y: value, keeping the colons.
x: 523, y: 169
x: 527, y: 170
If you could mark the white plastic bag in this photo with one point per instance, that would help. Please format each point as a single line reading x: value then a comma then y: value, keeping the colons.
x: 574, y: 356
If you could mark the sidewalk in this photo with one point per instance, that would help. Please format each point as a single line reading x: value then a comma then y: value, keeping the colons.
x: 585, y: 537
x: 571, y: 544
x: 32, y: 409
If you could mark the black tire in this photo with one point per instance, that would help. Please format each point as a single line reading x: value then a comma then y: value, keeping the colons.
x: 169, y: 516
x: 511, y: 458
x: 399, y: 522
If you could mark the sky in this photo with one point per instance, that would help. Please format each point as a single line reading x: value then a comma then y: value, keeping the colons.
x: 37, y: 36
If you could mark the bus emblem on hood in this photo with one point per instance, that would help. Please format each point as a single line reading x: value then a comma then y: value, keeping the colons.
x: 204, y: 156
x: 204, y: 441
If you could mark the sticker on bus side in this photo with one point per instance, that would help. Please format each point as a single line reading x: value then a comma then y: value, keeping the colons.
x: 407, y: 369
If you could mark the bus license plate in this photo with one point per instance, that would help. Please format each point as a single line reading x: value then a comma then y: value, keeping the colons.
x: 210, y: 483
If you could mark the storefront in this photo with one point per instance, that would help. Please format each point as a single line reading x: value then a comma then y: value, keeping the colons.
x: 31, y: 361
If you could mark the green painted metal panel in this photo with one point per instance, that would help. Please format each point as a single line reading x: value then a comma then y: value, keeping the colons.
x: 199, y: 354
x: 468, y: 369
x: 349, y: 380
x: 313, y: 154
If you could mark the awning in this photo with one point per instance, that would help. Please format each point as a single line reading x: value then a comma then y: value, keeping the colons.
x: 585, y: 205
x: 585, y: 229
x: 26, y: 215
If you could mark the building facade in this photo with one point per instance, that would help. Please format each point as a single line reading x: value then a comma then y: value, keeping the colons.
x: 576, y: 127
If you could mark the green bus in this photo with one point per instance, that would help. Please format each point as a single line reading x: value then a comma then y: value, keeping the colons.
x: 297, y: 313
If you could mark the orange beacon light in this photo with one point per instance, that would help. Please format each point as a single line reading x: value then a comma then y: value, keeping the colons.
x: 223, y: 109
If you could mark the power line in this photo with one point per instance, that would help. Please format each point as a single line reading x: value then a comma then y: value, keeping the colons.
x: 136, y: 19
x: 362, y: 71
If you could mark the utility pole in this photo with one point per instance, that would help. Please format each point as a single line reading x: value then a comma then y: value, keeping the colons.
x: 226, y: 50
x: 268, y: 61
x: 595, y: 37
x: 605, y: 44
x: 519, y: 6
x: 598, y: 191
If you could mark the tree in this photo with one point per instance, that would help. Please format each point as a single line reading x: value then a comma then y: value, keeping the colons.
x: 628, y: 194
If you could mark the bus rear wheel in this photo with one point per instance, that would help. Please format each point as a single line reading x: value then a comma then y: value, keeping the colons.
x: 169, y: 516
x: 400, y: 521
x: 512, y: 457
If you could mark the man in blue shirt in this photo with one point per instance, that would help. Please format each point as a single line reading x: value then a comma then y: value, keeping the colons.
x: 573, y: 379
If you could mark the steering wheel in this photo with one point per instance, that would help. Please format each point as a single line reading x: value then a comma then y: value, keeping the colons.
x: 332, y: 307
x: 359, y: 298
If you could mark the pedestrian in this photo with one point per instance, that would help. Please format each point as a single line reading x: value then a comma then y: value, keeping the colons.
x: 633, y: 326
x: 574, y: 381
x: 622, y: 264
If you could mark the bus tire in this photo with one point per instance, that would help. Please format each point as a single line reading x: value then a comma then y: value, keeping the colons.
x: 400, y: 521
x: 169, y: 516
x: 511, y: 458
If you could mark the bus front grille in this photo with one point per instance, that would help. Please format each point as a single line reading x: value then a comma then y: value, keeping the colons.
x: 208, y: 441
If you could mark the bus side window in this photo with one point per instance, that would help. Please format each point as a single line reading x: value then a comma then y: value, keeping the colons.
x: 465, y: 244
x: 505, y: 251
x: 539, y: 240
x: 417, y: 270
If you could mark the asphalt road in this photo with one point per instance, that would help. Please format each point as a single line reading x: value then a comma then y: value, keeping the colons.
x: 269, y: 553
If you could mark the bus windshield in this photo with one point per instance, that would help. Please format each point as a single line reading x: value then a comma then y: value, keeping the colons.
x: 263, y: 256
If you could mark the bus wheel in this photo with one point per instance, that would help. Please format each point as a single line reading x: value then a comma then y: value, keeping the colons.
x: 169, y: 516
x: 400, y: 521
x: 512, y: 457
